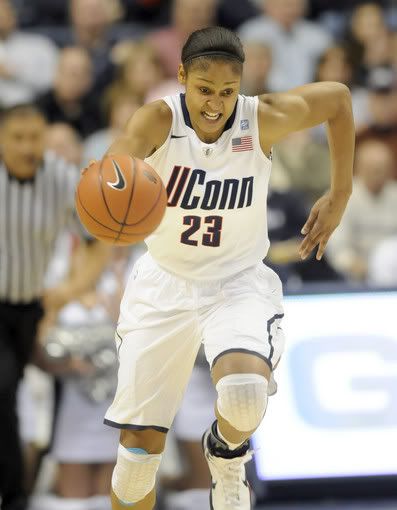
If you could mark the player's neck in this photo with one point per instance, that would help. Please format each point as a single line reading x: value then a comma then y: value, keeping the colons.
x: 207, y: 137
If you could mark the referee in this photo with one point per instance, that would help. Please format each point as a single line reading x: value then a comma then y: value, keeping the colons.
x: 36, y: 204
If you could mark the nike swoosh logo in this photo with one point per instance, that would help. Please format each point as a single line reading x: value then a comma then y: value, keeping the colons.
x: 119, y: 184
x: 176, y: 136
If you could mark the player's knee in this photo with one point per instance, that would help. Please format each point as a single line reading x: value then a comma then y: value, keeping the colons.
x: 242, y: 400
x: 135, y: 474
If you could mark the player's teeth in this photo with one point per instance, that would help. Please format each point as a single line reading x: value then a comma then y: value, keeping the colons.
x: 212, y: 115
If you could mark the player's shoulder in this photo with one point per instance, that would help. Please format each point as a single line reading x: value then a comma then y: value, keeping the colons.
x: 158, y: 111
x: 154, y: 118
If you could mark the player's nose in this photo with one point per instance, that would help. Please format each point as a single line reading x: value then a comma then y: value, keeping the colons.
x: 215, y: 105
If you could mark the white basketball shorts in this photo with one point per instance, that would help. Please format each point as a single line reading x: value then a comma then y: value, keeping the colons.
x: 163, y: 320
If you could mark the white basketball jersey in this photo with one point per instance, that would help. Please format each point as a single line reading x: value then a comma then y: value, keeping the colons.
x: 215, y: 224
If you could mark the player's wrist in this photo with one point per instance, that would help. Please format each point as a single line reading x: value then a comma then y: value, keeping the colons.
x: 338, y: 195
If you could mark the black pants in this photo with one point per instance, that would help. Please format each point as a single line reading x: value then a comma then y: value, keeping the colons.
x: 18, y: 327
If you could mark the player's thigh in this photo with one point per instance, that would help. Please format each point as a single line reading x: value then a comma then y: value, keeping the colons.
x: 156, y: 360
x: 244, y: 335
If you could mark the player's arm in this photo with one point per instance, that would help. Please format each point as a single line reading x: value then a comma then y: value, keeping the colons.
x: 145, y: 132
x: 302, y: 108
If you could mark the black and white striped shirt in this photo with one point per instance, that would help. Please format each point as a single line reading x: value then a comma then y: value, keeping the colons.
x: 32, y: 214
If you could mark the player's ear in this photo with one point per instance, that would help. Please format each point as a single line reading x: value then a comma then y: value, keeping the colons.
x: 181, y: 75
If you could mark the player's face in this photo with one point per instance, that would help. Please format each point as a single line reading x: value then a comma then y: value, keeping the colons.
x: 22, y: 144
x: 211, y: 96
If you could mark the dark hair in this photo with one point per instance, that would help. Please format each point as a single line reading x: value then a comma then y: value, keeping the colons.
x: 20, y: 110
x: 212, y: 43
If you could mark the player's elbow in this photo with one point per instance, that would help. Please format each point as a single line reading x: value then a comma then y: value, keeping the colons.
x: 343, y: 92
x: 341, y: 97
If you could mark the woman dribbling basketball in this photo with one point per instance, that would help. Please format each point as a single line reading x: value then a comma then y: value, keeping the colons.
x: 203, y: 279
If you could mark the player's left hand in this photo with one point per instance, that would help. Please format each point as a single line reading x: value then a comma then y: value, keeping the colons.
x: 324, y: 217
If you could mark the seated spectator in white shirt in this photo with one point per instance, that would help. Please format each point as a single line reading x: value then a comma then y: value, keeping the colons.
x: 27, y: 61
x: 370, y: 216
x: 382, y: 266
x: 296, y: 43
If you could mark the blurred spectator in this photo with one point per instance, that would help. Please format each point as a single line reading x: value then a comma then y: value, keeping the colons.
x: 233, y: 13
x: 139, y: 69
x: 35, y: 407
x: 286, y: 215
x: 27, y: 61
x: 335, y: 14
x: 36, y: 195
x: 296, y: 43
x: 393, y: 50
x: 370, y: 215
x: 70, y: 100
x: 187, y: 16
x: 189, y: 490
x: 164, y: 88
x: 382, y: 266
x: 257, y: 66
x: 66, y: 142
x: 318, y: 7
x: 85, y: 450
x: 120, y: 107
x: 368, y: 40
x: 152, y: 12
x: 91, y: 22
x: 382, y: 104
x: 41, y: 12
x: 303, y: 164
x: 335, y: 65
x: 94, y: 27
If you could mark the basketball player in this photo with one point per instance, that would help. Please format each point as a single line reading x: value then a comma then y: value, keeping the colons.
x: 202, y: 279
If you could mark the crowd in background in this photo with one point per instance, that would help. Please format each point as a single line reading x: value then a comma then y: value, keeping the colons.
x: 90, y: 64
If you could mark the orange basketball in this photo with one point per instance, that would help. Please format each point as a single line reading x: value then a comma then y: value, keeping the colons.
x: 120, y: 199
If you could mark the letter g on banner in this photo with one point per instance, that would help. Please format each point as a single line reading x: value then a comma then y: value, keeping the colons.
x: 345, y: 382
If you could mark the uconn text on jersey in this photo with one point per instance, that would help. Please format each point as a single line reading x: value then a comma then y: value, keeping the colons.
x: 190, y: 189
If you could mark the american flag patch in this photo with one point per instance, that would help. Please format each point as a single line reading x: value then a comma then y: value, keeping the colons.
x: 244, y: 143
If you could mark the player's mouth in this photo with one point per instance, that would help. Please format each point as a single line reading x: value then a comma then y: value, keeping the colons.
x: 211, y: 117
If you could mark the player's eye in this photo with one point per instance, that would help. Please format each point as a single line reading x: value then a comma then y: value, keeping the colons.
x: 228, y: 92
x: 204, y: 90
